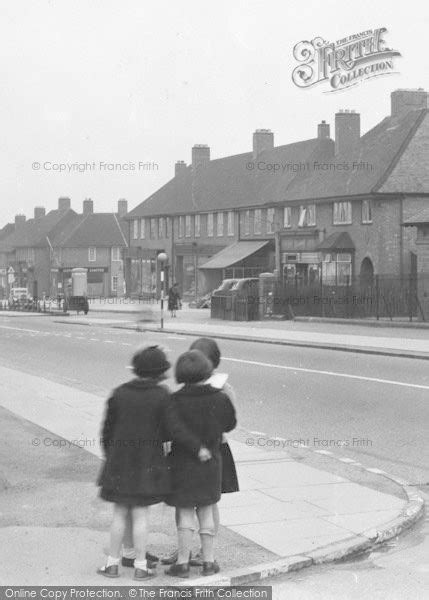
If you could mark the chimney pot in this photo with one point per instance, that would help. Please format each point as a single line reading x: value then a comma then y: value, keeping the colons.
x: 263, y: 139
x: 39, y: 212
x: 122, y: 207
x: 88, y: 206
x: 64, y: 203
x: 405, y: 100
x: 19, y: 222
x: 200, y: 156
x: 347, y: 130
x: 323, y: 131
x: 179, y: 167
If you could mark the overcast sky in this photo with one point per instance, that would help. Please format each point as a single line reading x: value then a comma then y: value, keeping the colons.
x: 129, y: 81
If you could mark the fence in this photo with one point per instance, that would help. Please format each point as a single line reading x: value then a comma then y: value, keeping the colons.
x: 383, y: 297
x: 32, y: 306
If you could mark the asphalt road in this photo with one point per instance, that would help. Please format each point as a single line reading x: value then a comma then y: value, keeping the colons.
x: 373, y: 409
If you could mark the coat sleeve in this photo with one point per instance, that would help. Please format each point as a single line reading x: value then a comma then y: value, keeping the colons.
x: 179, y: 432
x: 228, y: 419
x: 108, y: 424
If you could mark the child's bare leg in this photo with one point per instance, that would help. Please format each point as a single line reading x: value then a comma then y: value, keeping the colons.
x: 216, y: 518
x: 117, y: 530
x: 140, y: 522
x: 128, y: 551
x: 185, y: 533
x: 207, y: 531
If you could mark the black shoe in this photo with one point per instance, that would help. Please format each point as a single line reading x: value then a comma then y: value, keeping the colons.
x: 112, y: 571
x: 140, y: 574
x: 196, y: 560
x: 151, y: 563
x: 170, y: 560
x: 152, y: 557
x: 210, y: 568
x: 178, y: 570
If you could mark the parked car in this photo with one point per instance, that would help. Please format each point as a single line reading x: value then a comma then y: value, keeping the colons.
x: 20, y: 298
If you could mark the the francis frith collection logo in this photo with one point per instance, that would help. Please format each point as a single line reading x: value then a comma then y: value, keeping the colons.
x: 343, y: 63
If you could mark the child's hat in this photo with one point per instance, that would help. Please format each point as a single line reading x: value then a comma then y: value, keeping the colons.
x: 150, y: 361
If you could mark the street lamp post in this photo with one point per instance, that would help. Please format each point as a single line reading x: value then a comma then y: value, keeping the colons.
x: 162, y: 258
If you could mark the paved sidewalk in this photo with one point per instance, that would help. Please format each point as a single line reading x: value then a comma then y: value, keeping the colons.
x: 292, y: 513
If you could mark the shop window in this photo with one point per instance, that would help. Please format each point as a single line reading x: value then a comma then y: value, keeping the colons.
x: 114, y: 284
x: 342, y: 213
x: 337, y: 269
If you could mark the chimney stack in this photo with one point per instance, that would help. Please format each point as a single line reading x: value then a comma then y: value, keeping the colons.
x: 122, y: 207
x: 263, y: 139
x: 405, y: 100
x: 179, y: 167
x: 64, y: 203
x: 323, y: 131
x: 200, y: 156
x: 39, y: 212
x: 87, y: 206
x: 19, y: 222
x: 347, y: 130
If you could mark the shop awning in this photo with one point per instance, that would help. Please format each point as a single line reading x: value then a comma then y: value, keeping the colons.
x: 233, y: 254
x: 337, y: 241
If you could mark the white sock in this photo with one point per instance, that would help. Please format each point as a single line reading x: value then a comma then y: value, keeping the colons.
x: 140, y: 564
x: 111, y: 560
x: 128, y: 552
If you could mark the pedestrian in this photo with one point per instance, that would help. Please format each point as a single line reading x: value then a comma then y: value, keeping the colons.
x: 198, y: 415
x: 210, y: 349
x: 173, y: 299
x: 135, y: 474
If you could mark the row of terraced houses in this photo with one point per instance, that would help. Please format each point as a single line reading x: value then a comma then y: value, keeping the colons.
x: 316, y: 210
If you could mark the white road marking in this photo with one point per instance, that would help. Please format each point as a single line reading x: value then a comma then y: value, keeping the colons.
x: 323, y: 452
x: 331, y: 373
x: 125, y: 344
x: 108, y: 342
x: 94, y: 340
x: 177, y: 337
x: 19, y: 329
x: 347, y: 460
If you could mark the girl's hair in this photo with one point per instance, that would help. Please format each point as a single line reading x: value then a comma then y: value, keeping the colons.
x: 193, y: 367
x: 209, y: 348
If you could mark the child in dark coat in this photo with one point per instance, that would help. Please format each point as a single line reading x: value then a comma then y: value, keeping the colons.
x: 197, y: 417
x: 136, y: 473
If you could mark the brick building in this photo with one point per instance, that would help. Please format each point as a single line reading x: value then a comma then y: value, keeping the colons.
x: 316, y: 209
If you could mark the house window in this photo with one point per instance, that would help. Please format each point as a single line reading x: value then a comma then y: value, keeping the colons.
x: 219, y: 225
x: 188, y: 226
x: 337, y: 269
x: 246, y: 228
x: 92, y: 254
x: 152, y: 229
x: 270, y: 220
x: 197, y: 226
x: 307, y: 216
x: 116, y: 254
x: 161, y: 227
x: 210, y: 220
x: 181, y: 226
x: 135, y: 229
x: 114, y: 283
x: 167, y: 225
x: 287, y: 213
x: 366, y: 211
x: 231, y: 223
x: 142, y: 229
x: 257, y: 221
x: 342, y: 213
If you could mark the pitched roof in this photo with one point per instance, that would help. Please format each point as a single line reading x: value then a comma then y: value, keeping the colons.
x: 378, y: 151
x: 95, y: 229
x: 228, y: 183
x: 421, y: 218
x: 33, y: 232
x: 6, y: 230
x: 337, y: 241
